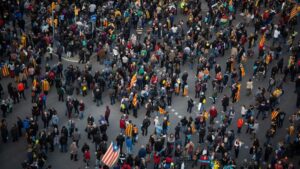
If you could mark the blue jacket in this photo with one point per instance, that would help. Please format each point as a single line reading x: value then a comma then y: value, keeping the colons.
x: 26, y: 123
x: 142, y: 153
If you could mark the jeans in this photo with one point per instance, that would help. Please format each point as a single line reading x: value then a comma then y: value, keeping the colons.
x: 112, y: 100
x: 81, y: 115
x: 63, y: 148
x: 98, y: 102
x: 129, y: 150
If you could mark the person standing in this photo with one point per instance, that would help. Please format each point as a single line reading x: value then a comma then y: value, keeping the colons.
x: 20, y: 126
x: 81, y: 56
x: 190, y: 105
x: 63, y: 141
x: 4, y: 131
x: 129, y: 145
x: 213, y: 114
x: 61, y: 92
x: 74, y: 151
x: 240, y: 123
x: 14, y: 133
x: 237, y: 146
x: 46, y: 119
x: 225, y: 102
x: 169, y: 97
x: 81, y: 109
x: 76, y: 136
x: 107, y: 114
x: 249, y: 87
x: 4, y: 108
x: 120, y: 141
x: 21, y: 90
x: 87, y: 158
x: 146, y: 123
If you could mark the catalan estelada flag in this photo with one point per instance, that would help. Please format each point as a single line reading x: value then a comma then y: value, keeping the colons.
x: 111, y: 155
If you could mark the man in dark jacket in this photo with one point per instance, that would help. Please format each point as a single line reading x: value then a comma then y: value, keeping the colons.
x: 4, y: 108
x: 98, y: 96
x: 14, y: 133
x: 120, y: 140
x: 145, y: 125
x: 190, y: 105
x: 225, y: 103
x: 4, y: 131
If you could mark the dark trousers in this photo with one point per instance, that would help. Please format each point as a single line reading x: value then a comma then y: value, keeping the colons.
x: 61, y: 97
x: 74, y: 157
x: 144, y: 131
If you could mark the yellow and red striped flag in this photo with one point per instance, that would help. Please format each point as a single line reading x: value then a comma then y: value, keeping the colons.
x: 134, y: 100
x: 262, y: 41
x: 111, y: 155
x: 133, y: 80
x: 294, y: 12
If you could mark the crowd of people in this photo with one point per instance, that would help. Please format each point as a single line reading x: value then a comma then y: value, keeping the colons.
x: 132, y: 39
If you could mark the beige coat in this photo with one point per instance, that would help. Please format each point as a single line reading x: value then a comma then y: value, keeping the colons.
x: 73, y: 148
x: 234, y: 51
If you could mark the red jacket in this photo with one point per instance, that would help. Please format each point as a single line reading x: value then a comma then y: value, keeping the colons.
x: 240, y: 122
x: 126, y: 166
x: 87, y: 155
x: 156, y: 158
x: 21, y: 87
x: 122, y: 124
x: 213, y: 113
x: 169, y: 160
